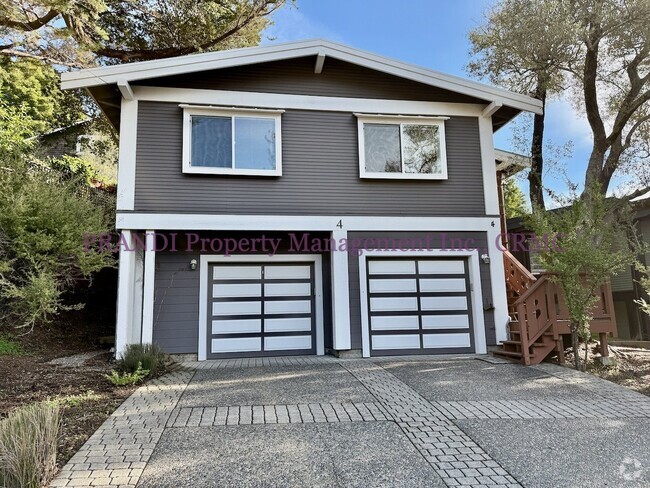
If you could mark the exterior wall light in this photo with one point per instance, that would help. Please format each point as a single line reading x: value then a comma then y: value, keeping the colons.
x: 485, y: 258
x: 193, y: 264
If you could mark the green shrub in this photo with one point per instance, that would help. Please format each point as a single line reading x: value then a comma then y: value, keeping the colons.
x: 149, y: 356
x: 76, y: 400
x: 28, y: 439
x: 127, y: 378
x: 9, y: 347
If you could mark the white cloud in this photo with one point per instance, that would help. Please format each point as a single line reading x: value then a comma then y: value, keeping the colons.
x: 290, y: 24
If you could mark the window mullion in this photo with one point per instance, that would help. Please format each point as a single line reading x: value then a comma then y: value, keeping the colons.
x: 401, y: 148
x: 232, y: 142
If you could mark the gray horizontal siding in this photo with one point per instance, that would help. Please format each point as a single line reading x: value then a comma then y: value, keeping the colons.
x: 297, y: 77
x: 176, y: 303
x: 320, y: 173
x: 480, y: 239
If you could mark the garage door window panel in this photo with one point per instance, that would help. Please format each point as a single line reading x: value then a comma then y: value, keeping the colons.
x: 437, y: 313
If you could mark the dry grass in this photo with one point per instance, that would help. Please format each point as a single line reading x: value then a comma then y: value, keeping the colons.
x: 28, y: 443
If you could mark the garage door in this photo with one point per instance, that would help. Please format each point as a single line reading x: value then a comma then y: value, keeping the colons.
x: 420, y: 306
x: 261, y: 310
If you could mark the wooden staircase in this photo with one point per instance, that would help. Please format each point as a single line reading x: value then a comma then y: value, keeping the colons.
x: 539, y: 317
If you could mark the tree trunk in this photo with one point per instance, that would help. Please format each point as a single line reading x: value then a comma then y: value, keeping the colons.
x: 536, y: 189
x: 594, y: 170
x: 576, y: 344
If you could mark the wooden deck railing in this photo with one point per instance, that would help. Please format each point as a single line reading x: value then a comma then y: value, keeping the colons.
x: 539, y: 316
x: 518, y: 280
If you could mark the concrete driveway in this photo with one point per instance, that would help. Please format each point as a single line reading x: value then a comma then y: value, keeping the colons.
x: 390, y: 422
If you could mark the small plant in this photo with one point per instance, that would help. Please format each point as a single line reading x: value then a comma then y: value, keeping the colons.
x: 127, y: 378
x: 76, y: 400
x: 147, y: 356
x: 9, y: 347
x: 28, y: 439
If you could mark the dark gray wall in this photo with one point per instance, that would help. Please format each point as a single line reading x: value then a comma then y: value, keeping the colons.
x: 297, y: 77
x: 320, y: 172
x: 480, y: 240
x: 176, y: 303
x: 176, y: 294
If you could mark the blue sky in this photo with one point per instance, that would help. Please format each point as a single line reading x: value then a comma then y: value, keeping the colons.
x: 432, y: 34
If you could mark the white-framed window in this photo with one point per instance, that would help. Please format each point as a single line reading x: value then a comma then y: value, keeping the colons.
x: 402, y: 147
x: 232, y: 141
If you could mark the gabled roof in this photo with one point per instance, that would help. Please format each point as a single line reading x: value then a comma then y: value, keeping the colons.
x: 112, y: 75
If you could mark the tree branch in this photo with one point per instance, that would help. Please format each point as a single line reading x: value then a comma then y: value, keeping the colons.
x: 590, y: 73
x: 40, y: 57
x: 32, y: 25
x: 638, y: 123
x: 127, y: 55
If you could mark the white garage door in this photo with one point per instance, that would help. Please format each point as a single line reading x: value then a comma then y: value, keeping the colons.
x: 419, y: 306
x: 261, y: 310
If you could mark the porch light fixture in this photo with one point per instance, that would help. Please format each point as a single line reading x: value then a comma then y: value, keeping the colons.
x: 485, y: 258
x: 193, y: 264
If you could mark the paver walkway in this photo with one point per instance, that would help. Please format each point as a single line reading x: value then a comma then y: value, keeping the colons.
x: 319, y: 421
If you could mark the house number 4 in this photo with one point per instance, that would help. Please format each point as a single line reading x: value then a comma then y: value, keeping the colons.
x: 340, y: 224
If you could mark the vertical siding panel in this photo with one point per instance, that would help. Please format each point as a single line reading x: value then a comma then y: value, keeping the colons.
x: 297, y: 77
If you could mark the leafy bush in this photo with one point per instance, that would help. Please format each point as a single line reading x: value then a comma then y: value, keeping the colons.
x: 149, y: 356
x: 8, y: 347
x: 128, y: 378
x: 43, y: 219
x: 28, y: 439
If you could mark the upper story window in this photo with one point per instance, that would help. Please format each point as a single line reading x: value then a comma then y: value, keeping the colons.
x: 402, y: 147
x: 231, y: 141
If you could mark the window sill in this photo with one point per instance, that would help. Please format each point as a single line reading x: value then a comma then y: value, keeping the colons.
x: 402, y: 176
x: 231, y: 172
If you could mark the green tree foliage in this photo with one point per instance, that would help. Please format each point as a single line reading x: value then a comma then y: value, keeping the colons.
x: 595, y: 51
x: 78, y: 33
x: 512, y: 48
x: 34, y: 86
x: 592, y: 246
x: 43, y: 219
x: 514, y: 199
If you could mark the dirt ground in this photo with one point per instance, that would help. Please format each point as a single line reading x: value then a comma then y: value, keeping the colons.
x: 632, y: 368
x: 87, y: 398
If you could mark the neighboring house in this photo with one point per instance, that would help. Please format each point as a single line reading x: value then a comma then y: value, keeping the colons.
x: 64, y: 141
x: 631, y: 322
x: 311, y: 140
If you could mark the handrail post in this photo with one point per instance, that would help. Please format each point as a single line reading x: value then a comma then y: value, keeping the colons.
x: 523, y: 331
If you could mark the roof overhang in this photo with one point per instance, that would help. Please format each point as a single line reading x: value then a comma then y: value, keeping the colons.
x: 496, y: 99
x: 509, y: 163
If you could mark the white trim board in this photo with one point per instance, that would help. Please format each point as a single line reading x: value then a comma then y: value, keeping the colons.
x: 127, y: 155
x: 149, y: 288
x: 302, y: 222
x: 260, y: 100
x: 490, y: 186
x: 246, y: 56
x: 214, y: 258
x: 480, y: 343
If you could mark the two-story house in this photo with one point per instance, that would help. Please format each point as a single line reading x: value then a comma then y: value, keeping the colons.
x: 305, y: 197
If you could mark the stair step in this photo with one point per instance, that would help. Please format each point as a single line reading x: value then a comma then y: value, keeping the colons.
x: 508, y: 353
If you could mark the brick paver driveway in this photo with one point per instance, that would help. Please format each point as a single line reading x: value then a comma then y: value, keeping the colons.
x: 390, y: 422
